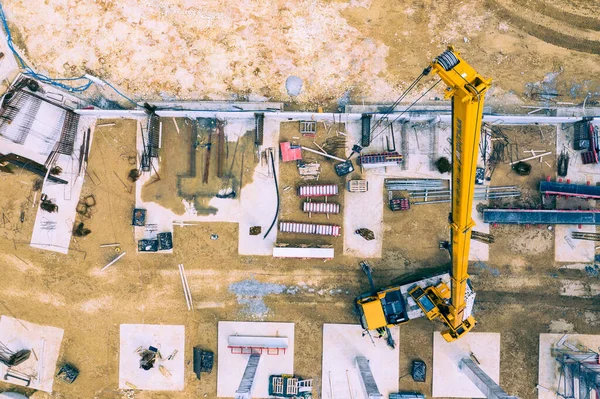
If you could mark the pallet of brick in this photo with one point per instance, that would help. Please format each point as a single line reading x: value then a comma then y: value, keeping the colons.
x: 309, y: 228
x: 318, y: 190
x: 321, y: 207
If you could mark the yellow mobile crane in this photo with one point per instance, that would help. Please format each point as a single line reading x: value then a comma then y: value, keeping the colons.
x: 386, y: 307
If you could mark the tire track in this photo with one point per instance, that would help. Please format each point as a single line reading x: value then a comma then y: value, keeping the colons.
x: 544, y: 33
x: 575, y: 20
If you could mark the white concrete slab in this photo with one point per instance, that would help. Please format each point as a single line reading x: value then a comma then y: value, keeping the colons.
x: 341, y: 378
x: 448, y: 380
x: 52, y: 231
x: 45, y: 341
x: 364, y: 210
x: 231, y: 366
x: 259, y: 201
x: 164, y: 337
x: 549, y: 373
x: 566, y: 249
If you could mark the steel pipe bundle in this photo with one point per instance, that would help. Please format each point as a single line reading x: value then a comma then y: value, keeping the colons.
x: 307, y: 228
x: 481, y: 194
x: 321, y: 207
x: 318, y: 190
x: 414, y: 184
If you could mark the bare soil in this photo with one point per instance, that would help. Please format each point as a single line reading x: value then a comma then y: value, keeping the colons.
x: 370, y: 50
x: 367, y: 49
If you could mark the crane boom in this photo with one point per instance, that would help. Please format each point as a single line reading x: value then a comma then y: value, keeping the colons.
x: 466, y: 89
x: 377, y: 309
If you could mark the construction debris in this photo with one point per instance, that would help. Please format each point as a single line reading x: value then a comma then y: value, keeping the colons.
x: 309, y: 171
x: 365, y: 233
x: 68, y: 373
x: 579, y: 371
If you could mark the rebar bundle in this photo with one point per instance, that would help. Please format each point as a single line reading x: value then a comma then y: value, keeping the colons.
x: 482, y: 193
x: 414, y: 184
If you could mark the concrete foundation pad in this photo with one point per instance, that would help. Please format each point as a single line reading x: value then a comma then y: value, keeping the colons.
x: 167, y: 339
x: 45, y: 341
x: 364, y: 210
x: 231, y: 366
x: 448, y: 380
x: 341, y: 378
x: 566, y: 249
x: 549, y: 373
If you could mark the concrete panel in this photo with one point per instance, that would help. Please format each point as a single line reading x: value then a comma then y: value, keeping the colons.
x: 567, y: 249
x: 45, y: 341
x: 52, y: 231
x: 166, y: 339
x: 231, y: 366
x: 448, y: 380
x: 342, y: 343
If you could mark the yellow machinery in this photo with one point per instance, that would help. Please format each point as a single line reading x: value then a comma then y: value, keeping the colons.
x: 467, y: 89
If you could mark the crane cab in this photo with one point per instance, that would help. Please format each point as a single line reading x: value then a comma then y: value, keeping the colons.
x: 384, y: 308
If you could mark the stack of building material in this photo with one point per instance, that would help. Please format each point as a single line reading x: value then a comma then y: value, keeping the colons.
x: 318, y: 190
x: 399, y: 204
x: 308, y: 128
x: 309, y: 171
x: 580, y: 372
x: 358, y: 186
x: 414, y: 184
x: 540, y: 216
x: 482, y: 193
x: 321, y: 207
x: 380, y: 160
x: 309, y: 228
x: 570, y: 190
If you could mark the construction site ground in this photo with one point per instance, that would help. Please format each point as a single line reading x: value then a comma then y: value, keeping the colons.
x: 521, y: 291
x: 345, y: 51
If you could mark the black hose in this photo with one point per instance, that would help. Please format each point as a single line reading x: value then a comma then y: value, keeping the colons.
x: 276, y: 190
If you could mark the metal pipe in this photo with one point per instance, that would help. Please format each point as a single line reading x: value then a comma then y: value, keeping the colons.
x: 323, y: 154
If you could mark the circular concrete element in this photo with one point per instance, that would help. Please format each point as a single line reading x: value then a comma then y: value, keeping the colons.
x: 293, y: 85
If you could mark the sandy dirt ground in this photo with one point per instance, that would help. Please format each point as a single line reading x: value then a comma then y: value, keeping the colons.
x: 367, y: 50
x: 359, y: 50
x: 520, y: 282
